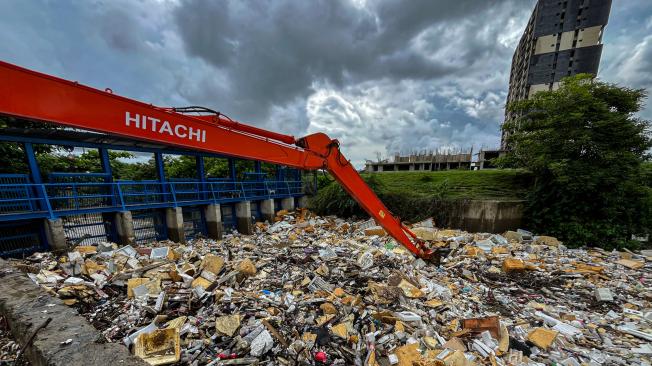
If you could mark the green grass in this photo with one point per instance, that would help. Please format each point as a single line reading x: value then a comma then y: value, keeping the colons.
x: 418, y: 195
x: 499, y: 184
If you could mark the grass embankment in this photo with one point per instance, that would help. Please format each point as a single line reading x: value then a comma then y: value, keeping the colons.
x: 503, y: 184
x: 417, y: 195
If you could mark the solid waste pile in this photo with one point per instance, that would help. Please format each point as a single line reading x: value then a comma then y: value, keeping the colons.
x: 309, y: 290
x: 9, y: 348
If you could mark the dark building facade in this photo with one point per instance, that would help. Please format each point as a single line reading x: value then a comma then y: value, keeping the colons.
x: 562, y: 38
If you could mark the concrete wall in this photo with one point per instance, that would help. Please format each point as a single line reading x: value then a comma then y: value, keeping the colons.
x: 476, y: 216
x: 493, y: 216
x: 213, y: 215
x: 55, y: 235
x: 267, y: 210
x: 25, y: 306
x: 174, y: 222
x: 545, y: 44
x: 125, y: 227
x: 589, y: 36
x: 243, y: 217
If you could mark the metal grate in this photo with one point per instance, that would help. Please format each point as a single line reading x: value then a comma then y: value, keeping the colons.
x: 194, y: 222
x: 149, y: 226
x: 21, y: 238
x: 15, y: 194
x: 255, y: 211
x: 228, y: 217
x: 88, y: 229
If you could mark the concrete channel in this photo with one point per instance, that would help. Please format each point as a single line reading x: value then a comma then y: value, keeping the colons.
x: 68, y: 339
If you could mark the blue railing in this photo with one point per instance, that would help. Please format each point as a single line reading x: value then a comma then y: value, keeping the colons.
x: 20, y: 200
x: 21, y: 238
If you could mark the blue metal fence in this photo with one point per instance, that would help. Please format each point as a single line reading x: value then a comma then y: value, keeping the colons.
x: 86, y: 202
x: 89, y: 228
x: 149, y: 225
x: 255, y: 211
x: 194, y: 222
x: 14, y: 193
x: 19, y: 200
x: 21, y: 238
x: 228, y: 217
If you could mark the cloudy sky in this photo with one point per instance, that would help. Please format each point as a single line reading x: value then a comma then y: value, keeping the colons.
x: 380, y: 75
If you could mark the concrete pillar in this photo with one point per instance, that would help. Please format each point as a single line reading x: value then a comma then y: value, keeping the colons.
x: 55, y: 235
x: 243, y: 217
x: 213, y: 214
x: 267, y: 210
x: 302, y: 202
x: 124, y: 225
x: 174, y: 222
x: 287, y: 203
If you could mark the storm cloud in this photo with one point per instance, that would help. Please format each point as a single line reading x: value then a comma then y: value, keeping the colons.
x: 380, y: 75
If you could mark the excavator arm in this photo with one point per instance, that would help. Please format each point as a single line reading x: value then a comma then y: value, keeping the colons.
x: 32, y: 95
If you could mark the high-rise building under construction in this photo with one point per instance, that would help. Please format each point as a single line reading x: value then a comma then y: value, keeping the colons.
x: 562, y: 38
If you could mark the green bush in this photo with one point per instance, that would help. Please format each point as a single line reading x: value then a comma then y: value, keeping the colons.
x: 587, y: 151
x: 414, y: 196
x: 332, y: 199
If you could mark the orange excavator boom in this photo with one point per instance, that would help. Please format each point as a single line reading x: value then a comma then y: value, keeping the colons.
x: 32, y: 95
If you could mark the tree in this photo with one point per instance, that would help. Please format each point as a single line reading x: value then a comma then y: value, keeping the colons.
x: 586, y: 148
x: 12, y: 156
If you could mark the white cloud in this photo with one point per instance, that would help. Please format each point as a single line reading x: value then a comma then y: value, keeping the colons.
x: 379, y: 75
x: 390, y: 117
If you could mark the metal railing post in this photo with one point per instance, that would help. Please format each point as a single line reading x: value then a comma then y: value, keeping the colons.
x: 47, y: 200
x: 122, y: 201
x: 174, y: 195
x: 75, y: 196
x: 29, y: 197
x: 212, y: 192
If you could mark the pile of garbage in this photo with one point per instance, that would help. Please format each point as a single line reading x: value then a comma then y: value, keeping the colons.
x: 309, y: 290
x: 9, y: 349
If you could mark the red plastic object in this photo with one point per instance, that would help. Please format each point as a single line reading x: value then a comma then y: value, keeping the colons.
x: 321, y: 357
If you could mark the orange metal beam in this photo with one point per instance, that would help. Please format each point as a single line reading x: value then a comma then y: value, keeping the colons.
x: 32, y: 95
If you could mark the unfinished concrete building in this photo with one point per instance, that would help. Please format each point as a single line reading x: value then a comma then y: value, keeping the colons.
x: 485, y: 159
x: 562, y: 38
x: 431, y: 161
